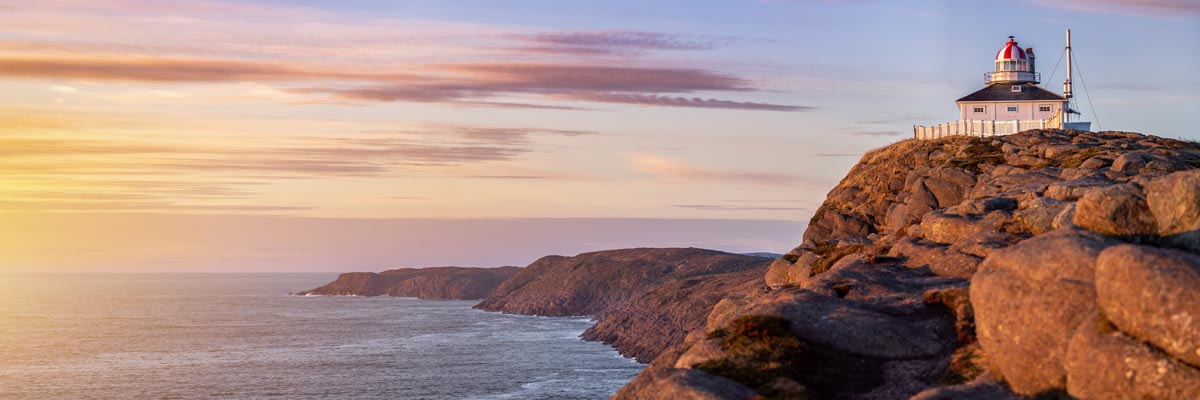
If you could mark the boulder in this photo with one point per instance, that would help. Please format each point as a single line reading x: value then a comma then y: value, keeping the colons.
x: 1058, y: 151
x: 955, y: 264
x: 985, y: 387
x: 848, y: 326
x: 1014, y: 184
x: 1117, y: 210
x: 983, y: 206
x: 700, y: 351
x: 917, y: 252
x: 1074, y: 189
x: 1103, y: 363
x: 1148, y: 164
x: 1130, y: 162
x: 1096, y: 162
x: 984, y: 243
x: 1154, y: 295
x: 783, y: 271
x: 674, y: 383
x: 1175, y: 202
x: 944, y: 228
x: 1065, y: 218
x: 1028, y: 161
x: 1037, y: 215
x: 722, y: 313
x: 1028, y: 299
x: 949, y: 185
x: 1078, y: 173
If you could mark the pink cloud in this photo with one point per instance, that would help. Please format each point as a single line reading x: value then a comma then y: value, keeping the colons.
x: 160, y: 69
x: 615, y: 42
x: 347, y: 59
x: 1131, y: 7
x: 579, y: 82
x: 673, y: 101
x: 158, y: 172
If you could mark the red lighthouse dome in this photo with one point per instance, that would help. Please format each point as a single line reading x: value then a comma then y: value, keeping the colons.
x: 1013, y: 65
x: 1011, y: 52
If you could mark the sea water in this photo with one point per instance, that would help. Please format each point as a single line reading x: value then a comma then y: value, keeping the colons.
x: 232, y: 336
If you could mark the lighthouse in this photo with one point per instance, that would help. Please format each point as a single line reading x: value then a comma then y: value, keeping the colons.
x: 1011, y: 100
x: 1012, y: 92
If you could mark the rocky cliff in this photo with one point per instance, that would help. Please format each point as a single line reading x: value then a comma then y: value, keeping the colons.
x: 1046, y: 263
x: 644, y: 300
x: 442, y: 283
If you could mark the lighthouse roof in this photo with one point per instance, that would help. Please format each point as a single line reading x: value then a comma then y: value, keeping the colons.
x: 1005, y: 92
x: 1011, y: 51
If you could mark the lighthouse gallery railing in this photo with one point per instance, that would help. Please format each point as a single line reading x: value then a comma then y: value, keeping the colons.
x: 981, y: 128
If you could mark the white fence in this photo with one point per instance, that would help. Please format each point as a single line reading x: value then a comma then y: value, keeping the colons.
x: 980, y: 128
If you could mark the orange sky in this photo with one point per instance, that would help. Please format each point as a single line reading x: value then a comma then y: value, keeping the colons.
x: 126, y: 122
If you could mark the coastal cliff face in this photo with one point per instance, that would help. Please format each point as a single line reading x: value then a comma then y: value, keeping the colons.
x: 441, y: 283
x: 1042, y: 263
x: 663, y: 316
x: 645, y: 300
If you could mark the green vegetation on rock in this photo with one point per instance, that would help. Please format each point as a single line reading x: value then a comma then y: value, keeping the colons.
x: 761, y: 353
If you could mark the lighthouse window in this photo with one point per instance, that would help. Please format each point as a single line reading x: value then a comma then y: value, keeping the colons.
x: 1044, y: 108
x: 979, y: 109
x: 1012, y: 109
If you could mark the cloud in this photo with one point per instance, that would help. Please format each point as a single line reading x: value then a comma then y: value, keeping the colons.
x: 1158, y: 8
x: 369, y: 152
x: 615, y: 42
x: 518, y: 177
x: 43, y: 204
x: 684, y: 172
x: 63, y: 89
x: 162, y: 69
x: 574, y: 77
x: 670, y: 101
x: 476, y: 84
x: 168, y: 171
x: 476, y: 81
x: 343, y: 59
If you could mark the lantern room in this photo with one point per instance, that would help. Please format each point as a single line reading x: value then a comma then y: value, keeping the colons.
x: 1013, y: 65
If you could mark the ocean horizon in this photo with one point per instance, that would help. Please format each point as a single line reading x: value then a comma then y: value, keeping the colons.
x: 241, y: 335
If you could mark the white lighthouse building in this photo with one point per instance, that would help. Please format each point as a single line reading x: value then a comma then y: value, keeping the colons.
x: 1011, y: 102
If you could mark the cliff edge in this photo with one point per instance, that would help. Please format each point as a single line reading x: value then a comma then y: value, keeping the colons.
x: 441, y: 283
x: 644, y: 300
x: 1045, y: 263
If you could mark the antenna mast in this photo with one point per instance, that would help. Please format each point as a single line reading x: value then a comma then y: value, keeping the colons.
x: 1067, y: 84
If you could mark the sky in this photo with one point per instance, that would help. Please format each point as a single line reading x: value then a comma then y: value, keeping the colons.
x: 275, y: 136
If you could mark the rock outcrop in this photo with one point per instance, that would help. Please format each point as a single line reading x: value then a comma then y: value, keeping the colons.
x: 644, y: 300
x: 441, y: 283
x: 663, y: 316
x: 1045, y: 263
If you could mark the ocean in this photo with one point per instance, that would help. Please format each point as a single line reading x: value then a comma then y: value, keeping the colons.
x: 235, y: 336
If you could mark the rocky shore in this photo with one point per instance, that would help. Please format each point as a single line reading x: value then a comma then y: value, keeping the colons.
x: 644, y: 300
x: 1043, y: 264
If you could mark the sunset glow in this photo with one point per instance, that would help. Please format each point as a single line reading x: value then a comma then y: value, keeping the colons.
x: 249, y: 136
